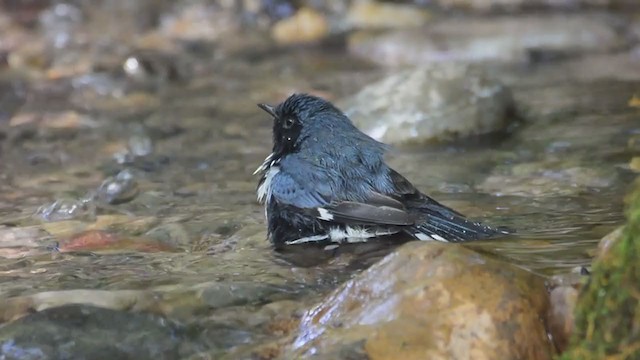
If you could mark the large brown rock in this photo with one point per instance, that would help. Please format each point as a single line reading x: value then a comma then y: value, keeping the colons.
x: 430, y: 301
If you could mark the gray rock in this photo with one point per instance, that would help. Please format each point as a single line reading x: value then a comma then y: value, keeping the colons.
x: 438, y: 102
x: 171, y: 233
x: 86, y: 332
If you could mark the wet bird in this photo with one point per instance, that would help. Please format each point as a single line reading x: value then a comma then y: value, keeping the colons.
x: 326, y: 181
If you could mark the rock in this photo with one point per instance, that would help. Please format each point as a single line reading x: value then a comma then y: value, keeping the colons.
x: 62, y: 120
x: 375, y: 14
x: 611, y: 238
x: 118, y: 189
x: 513, y: 39
x: 17, y: 242
x: 622, y: 66
x: 120, y: 223
x: 103, y: 241
x: 218, y: 294
x: 67, y: 209
x: 562, y: 303
x: 140, y: 145
x: 540, y: 179
x: 305, y: 26
x: 438, y: 102
x: 560, y: 319
x: 86, y: 332
x: 131, y: 300
x: 430, y: 301
x: 172, y: 233
x: 608, y: 308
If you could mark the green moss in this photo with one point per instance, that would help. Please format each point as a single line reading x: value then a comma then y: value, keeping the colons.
x: 608, y: 309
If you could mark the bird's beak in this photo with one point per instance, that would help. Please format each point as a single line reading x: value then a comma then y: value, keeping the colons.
x: 268, y: 108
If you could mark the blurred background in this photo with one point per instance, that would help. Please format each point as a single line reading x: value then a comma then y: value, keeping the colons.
x: 129, y: 133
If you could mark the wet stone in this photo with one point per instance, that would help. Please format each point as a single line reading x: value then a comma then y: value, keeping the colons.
x: 432, y: 103
x: 67, y: 209
x: 104, y: 241
x: 430, y: 300
x: 561, y: 314
x: 79, y: 332
x: 547, y: 179
x: 218, y: 295
x: 140, y: 145
x: 609, y: 240
x: 18, y: 242
x: 173, y: 234
x: 119, y: 189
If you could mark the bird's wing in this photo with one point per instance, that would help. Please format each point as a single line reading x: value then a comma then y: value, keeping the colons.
x: 437, y: 221
x: 311, y: 192
x: 361, y: 213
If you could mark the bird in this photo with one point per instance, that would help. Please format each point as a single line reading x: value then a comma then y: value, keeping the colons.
x: 326, y: 181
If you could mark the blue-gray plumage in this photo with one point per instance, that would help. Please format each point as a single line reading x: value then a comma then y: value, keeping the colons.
x: 327, y: 181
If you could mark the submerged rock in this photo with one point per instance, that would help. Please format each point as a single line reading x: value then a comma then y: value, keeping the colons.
x: 118, y: 189
x: 104, y: 241
x: 67, y: 209
x: 439, y: 102
x: 563, y: 295
x: 430, y: 301
x: 86, y: 332
x: 539, y: 179
x: 18, y: 242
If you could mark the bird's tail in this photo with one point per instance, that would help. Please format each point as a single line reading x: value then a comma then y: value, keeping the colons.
x: 443, y: 224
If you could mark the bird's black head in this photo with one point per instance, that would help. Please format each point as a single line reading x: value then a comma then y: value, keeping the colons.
x: 299, y: 117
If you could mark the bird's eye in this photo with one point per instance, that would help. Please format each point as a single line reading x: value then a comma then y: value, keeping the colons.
x: 288, y: 123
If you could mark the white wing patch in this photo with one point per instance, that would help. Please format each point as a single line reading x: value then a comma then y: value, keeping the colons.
x: 349, y: 234
x: 439, y: 238
x: 264, y: 190
x: 308, y: 239
x: 356, y: 234
x: 424, y: 237
x: 324, y: 214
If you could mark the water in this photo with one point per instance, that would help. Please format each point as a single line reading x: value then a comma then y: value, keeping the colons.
x: 207, y: 138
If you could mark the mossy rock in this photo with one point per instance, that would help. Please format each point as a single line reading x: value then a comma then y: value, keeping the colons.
x: 608, y: 310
